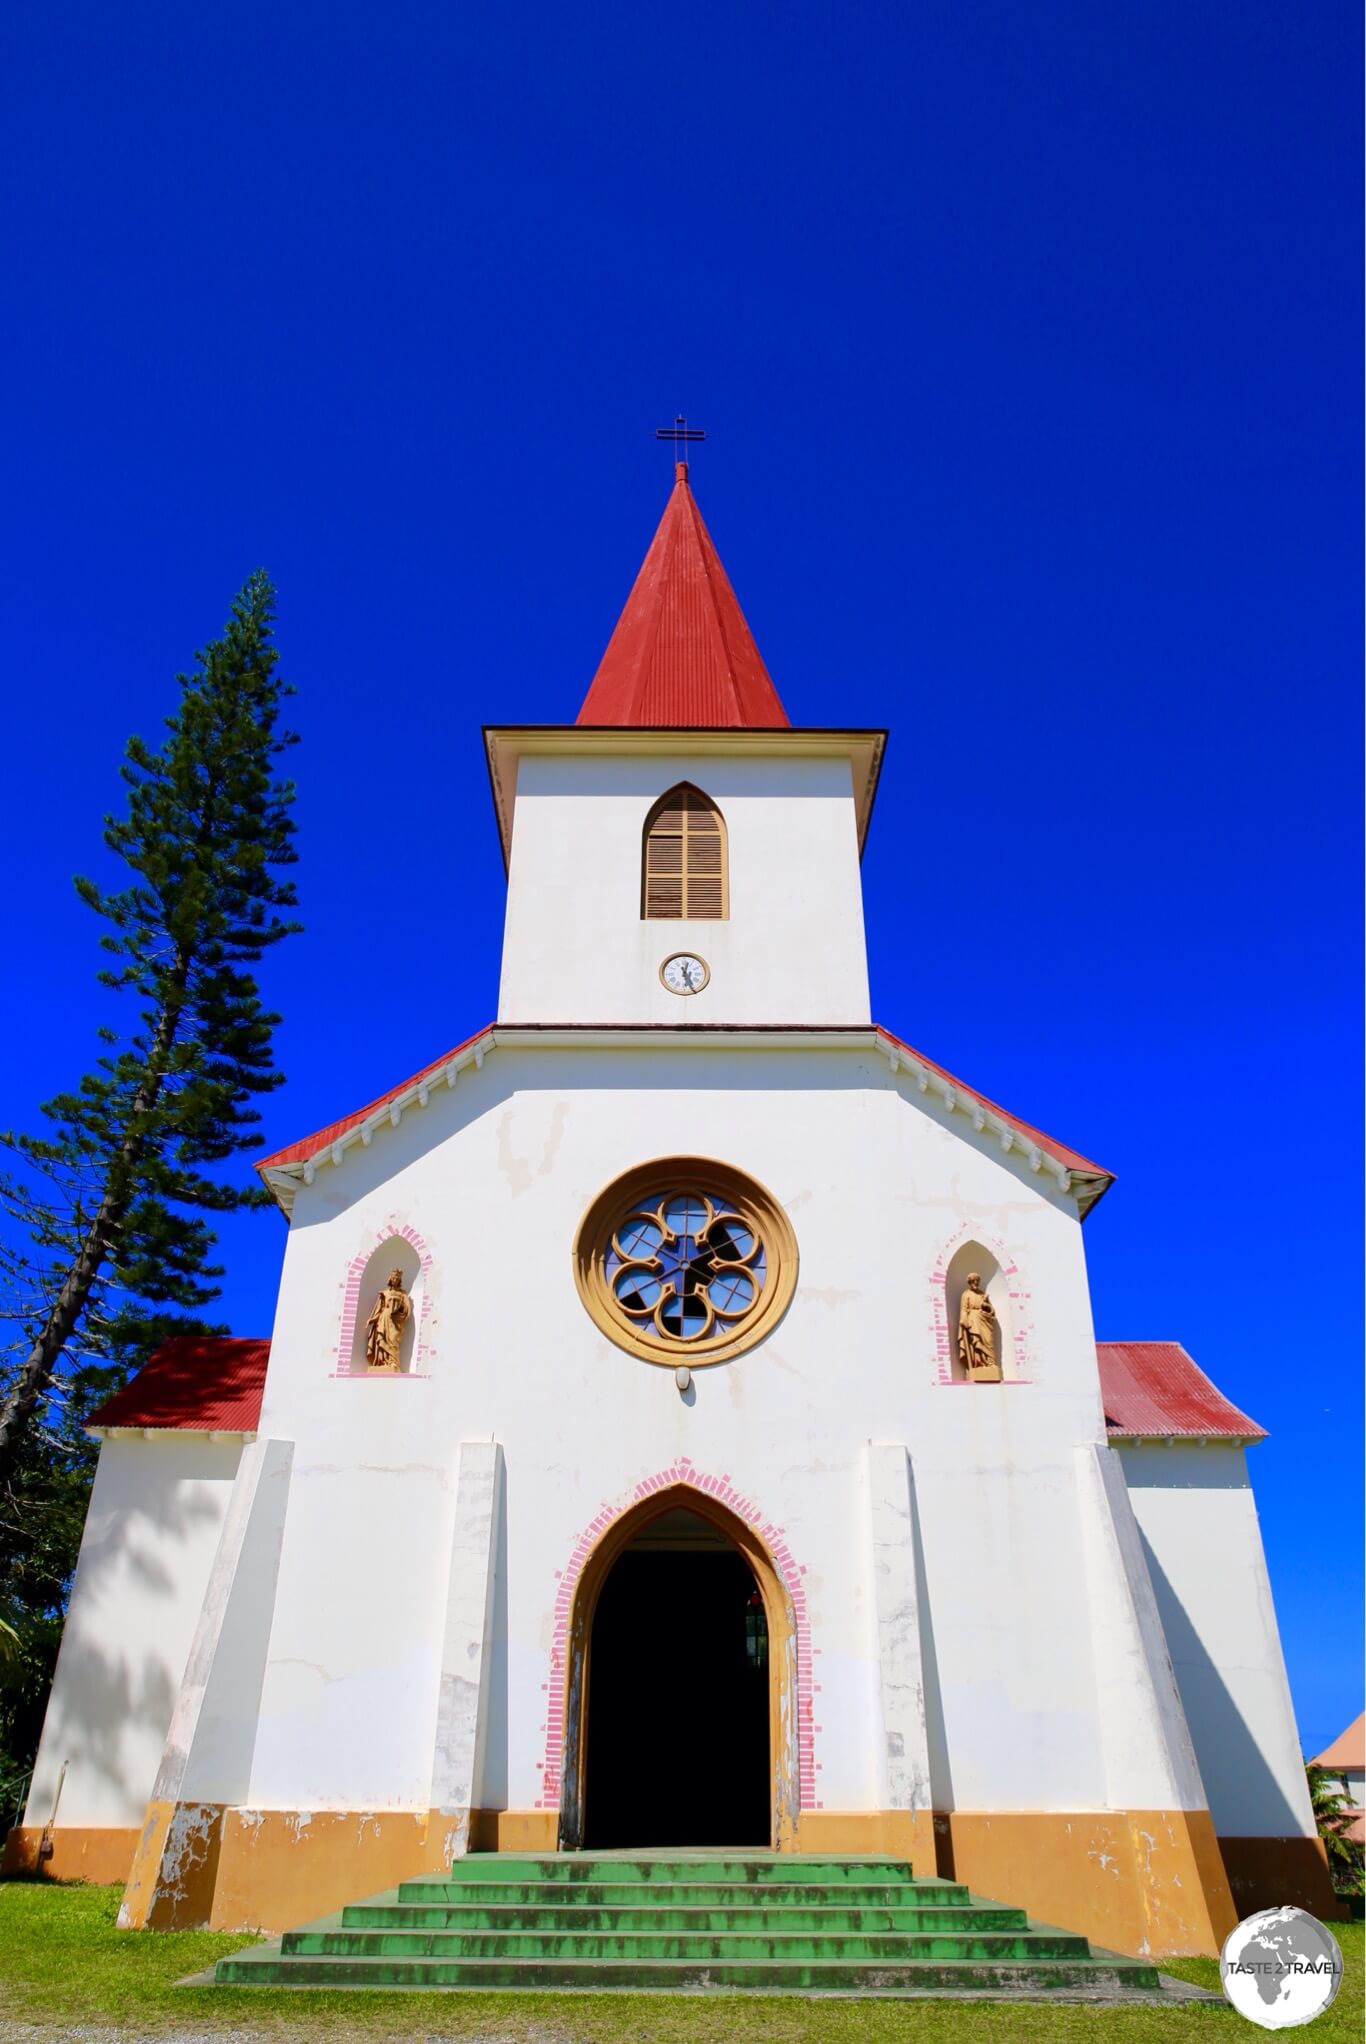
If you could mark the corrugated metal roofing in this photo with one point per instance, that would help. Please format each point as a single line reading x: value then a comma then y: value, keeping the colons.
x: 215, y: 1384
x: 1154, y: 1388
x: 199, y: 1383
x: 682, y: 654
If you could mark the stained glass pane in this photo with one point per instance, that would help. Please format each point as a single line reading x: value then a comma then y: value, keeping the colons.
x: 638, y: 1290
x: 640, y: 1236
x: 685, y: 1214
x: 732, y: 1291
x: 685, y: 1318
x: 731, y: 1240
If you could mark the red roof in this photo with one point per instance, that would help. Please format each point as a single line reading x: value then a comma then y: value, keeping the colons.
x: 204, y: 1383
x: 322, y: 1139
x: 312, y: 1146
x: 682, y: 655
x: 1153, y: 1388
x: 1073, y: 1159
x: 215, y: 1383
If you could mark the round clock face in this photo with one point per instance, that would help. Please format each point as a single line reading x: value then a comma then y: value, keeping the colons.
x: 684, y: 974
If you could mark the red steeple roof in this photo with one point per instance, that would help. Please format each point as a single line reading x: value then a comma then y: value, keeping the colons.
x: 682, y: 654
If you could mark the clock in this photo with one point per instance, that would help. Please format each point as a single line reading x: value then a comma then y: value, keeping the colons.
x: 684, y: 974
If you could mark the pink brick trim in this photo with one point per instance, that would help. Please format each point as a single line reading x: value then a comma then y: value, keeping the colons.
x: 1021, y: 1308
x: 396, y: 1231
x: 679, y: 1473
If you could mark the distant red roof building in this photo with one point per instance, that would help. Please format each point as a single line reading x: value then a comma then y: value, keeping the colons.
x: 1153, y: 1388
x: 201, y: 1384
x: 1346, y: 1758
x: 682, y: 655
x: 1149, y: 1388
x: 1347, y: 1753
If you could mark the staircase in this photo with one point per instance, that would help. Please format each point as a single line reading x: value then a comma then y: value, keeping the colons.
x: 781, y: 1923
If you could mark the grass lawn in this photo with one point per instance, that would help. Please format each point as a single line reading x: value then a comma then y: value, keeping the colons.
x: 64, y: 1966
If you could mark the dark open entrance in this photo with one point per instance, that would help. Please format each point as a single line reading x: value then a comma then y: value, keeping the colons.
x: 678, y: 1675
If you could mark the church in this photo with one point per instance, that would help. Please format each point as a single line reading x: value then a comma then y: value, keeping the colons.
x: 683, y: 1423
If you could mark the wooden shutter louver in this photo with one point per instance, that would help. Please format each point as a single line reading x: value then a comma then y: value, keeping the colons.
x: 684, y: 877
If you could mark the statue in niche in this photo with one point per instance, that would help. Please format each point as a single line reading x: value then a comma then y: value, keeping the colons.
x: 384, y: 1328
x: 978, y: 1332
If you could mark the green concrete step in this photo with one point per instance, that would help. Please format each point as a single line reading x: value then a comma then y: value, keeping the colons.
x: 783, y: 1869
x: 1012, y: 1978
x: 586, y: 1946
x: 753, y: 1916
x: 683, y: 1894
x: 680, y: 1922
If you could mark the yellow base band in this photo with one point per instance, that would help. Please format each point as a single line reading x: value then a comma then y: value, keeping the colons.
x: 1145, y: 1881
x: 1149, y: 1882
x: 97, y: 1853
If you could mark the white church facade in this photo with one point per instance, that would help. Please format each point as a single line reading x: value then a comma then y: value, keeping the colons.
x: 733, y: 1462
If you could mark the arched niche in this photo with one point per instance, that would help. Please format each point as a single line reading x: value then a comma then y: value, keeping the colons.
x: 396, y: 1252
x: 970, y: 1256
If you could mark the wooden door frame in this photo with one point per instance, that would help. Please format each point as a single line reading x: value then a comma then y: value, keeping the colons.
x: 784, y: 1786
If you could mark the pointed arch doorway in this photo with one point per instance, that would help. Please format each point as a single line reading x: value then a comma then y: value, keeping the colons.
x: 680, y: 1685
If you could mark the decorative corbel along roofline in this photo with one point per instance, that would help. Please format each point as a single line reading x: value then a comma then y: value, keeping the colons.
x: 506, y: 745
x: 299, y: 1163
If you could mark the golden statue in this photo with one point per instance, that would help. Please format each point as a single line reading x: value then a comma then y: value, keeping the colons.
x: 384, y: 1328
x: 977, y: 1332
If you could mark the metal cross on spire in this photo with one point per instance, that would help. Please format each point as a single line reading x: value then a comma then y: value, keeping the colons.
x: 680, y: 433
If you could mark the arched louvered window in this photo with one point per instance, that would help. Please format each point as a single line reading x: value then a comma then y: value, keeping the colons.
x: 684, y: 869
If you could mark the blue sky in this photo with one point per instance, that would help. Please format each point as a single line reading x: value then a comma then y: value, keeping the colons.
x: 1027, y: 343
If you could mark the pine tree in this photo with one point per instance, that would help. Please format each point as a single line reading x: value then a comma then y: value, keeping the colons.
x: 112, y: 1245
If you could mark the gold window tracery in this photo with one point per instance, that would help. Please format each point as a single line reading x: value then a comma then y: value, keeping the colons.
x: 685, y: 1261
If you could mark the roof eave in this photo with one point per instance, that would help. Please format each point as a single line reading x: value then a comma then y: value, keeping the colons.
x: 147, y: 1433
x: 504, y: 745
x: 1075, y: 1177
x: 1211, y: 1437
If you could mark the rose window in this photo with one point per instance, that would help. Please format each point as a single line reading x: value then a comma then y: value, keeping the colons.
x: 683, y: 1263
x: 688, y: 1259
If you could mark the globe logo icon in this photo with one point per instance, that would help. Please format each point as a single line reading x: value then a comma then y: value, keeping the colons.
x: 1280, y: 1968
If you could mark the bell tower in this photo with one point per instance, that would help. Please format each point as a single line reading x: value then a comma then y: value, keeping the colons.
x: 681, y: 854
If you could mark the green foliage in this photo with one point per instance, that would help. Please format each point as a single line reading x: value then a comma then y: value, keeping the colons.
x: 108, y: 1243
x: 1334, y: 1818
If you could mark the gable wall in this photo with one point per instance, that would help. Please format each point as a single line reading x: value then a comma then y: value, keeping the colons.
x: 495, y: 1176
